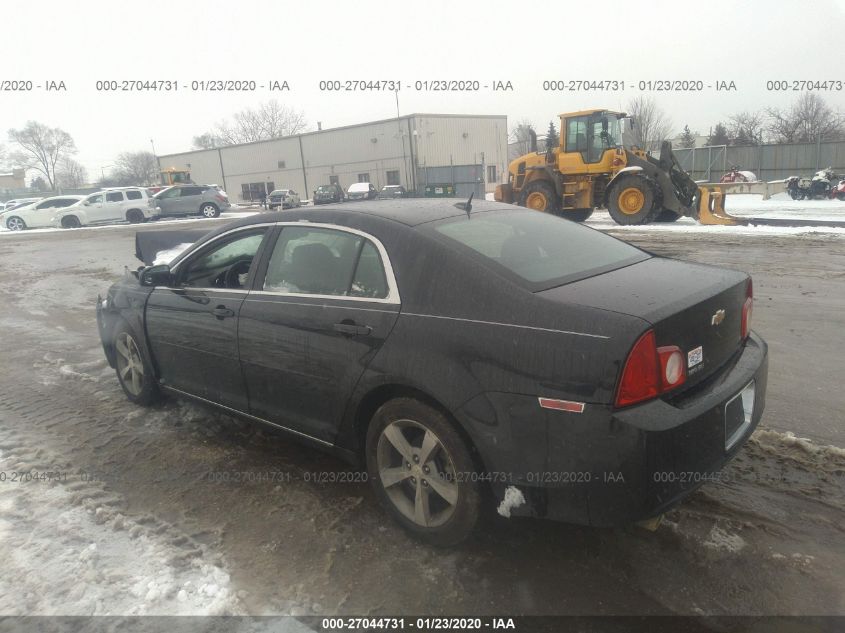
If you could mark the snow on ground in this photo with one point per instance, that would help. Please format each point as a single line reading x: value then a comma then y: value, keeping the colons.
x: 67, y: 550
x: 780, y: 206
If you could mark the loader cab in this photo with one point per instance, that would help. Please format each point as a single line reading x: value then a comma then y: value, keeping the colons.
x: 589, y: 141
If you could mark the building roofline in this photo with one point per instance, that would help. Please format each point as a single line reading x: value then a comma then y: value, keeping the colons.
x: 404, y: 117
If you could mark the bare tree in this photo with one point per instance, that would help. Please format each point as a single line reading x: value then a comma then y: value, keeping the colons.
x: 269, y: 120
x: 70, y: 173
x: 520, y: 139
x: 135, y: 168
x: 651, y: 125
x: 41, y: 148
x: 746, y: 128
x: 808, y: 119
x: 207, y: 141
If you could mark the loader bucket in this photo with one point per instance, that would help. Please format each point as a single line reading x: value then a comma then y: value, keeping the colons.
x: 711, y: 208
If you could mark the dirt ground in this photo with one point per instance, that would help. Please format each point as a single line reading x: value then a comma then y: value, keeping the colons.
x: 180, y: 509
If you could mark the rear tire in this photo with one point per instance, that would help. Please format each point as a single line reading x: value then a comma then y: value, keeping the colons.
x: 15, y: 223
x: 540, y: 195
x: 209, y: 210
x: 421, y: 470
x: 135, y: 216
x: 667, y: 215
x: 134, y: 369
x: 71, y: 222
x: 632, y: 201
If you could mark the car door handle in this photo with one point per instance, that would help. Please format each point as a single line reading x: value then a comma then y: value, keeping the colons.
x: 353, y: 329
x: 221, y: 312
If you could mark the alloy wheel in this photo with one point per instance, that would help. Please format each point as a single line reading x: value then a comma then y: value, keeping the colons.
x: 209, y: 211
x: 130, y: 365
x: 417, y: 473
x: 15, y: 224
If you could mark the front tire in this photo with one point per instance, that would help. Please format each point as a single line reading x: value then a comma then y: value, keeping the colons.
x: 134, y: 369
x: 420, y: 469
x: 632, y: 201
x: 71, y: 222
x: 15, y: 223
x: 209, y: 210
x: 540, y: 195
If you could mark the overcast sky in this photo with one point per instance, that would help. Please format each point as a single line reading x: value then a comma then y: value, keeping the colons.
x: 305, y: 42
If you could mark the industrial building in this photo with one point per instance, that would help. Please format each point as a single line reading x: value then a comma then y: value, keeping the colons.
x: 415, y: 151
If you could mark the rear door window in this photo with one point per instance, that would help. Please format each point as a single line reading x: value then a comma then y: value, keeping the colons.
x: 134, y: 195
x: 114, y: 196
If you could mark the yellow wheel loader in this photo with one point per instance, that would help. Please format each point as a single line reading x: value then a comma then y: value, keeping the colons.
x: 592, y: 168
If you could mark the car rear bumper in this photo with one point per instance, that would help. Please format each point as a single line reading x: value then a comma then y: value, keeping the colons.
x: 605, y: 467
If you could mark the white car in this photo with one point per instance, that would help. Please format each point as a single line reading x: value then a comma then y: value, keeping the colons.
x: 19, y: 202
x: 36, y: 215
x: 132, y: 204
x: 284, y: 198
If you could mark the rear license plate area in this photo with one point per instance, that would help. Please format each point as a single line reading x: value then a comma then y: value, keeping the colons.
x: 738, y: 413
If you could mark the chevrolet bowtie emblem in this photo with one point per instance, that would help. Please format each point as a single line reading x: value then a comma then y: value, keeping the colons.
x: 717, y: 318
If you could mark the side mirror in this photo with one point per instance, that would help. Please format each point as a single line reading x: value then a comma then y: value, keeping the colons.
x: 159, y: 275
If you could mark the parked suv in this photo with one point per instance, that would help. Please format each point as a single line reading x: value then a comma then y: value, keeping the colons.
x: 285, y: 198
x: 393, y: 191
x: 328, y: 193
x: 132, y: 204
x: 206, y: 200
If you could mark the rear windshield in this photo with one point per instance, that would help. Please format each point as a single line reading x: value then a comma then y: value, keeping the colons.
x: 538, y: 249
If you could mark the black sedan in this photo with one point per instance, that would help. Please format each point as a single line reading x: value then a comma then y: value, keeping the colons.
x: 455, y: 353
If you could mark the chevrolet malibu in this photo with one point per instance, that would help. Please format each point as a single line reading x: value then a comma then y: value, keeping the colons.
x: 462, y: 354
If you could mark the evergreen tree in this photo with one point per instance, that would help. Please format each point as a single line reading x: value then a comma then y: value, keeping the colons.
x: 687, y: 138
x: 719, y: 135
x: 552, y: 137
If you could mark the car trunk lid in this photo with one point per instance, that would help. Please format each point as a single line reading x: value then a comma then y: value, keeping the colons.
x: 695, y: 307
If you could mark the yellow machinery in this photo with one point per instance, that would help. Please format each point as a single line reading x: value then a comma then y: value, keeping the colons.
x: 172, y: 176
x: 592, y: 168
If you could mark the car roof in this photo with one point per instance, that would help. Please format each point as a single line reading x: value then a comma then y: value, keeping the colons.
x: 408, y: 211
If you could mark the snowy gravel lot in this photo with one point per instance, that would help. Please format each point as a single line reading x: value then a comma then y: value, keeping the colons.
x: 183, y: 510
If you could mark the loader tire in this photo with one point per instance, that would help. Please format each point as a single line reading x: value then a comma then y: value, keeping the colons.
x: 667, y: 215
x: 632, y: 201
x: 540, y: 195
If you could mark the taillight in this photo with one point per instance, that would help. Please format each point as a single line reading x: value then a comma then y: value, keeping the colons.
x: 747, y: 309
x: 650, y: 371
x: 220, y: 197
x: 640, y: 379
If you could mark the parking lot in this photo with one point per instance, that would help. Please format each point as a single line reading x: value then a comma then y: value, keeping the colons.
x: 180, y: 509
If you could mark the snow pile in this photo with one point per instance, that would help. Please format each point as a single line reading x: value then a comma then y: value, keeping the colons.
x: 718, y: 539
x: 800, y: 449
x: 67, y: 550
x: 168, y: 255
x: 513, y: 499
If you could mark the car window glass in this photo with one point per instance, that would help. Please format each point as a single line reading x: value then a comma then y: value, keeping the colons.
x: 538, y: 247
x: 170, y: 193
x: 95, y: 199
x: 312, y: 261
x: 224, y: 266
x: 133, y: 195
x: 47, y: 205
x: 191, y: 191
x: 114, y: 196
x: 65, y: 202
x: 369, y: 279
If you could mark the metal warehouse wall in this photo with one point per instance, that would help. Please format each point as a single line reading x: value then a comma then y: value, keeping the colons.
x: 442, y: 141
x: 347, y: 152
x: 768, y: 162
